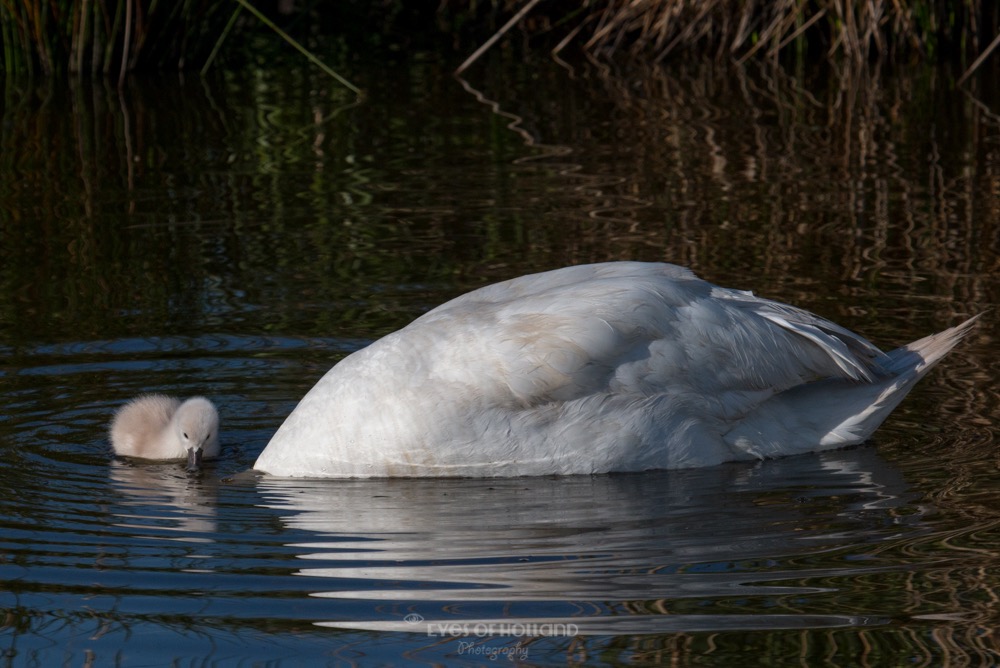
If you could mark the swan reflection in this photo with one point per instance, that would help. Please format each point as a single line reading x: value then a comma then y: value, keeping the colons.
x: 720, y: 547
x: 165, y: 501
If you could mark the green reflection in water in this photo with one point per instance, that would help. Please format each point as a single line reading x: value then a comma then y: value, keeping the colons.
x: 185, y: 199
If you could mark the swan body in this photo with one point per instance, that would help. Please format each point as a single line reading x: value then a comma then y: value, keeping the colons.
x: 154, y: 426
x: 622, y: 366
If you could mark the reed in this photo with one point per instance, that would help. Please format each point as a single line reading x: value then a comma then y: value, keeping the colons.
x: 114, y: 37
x: 109, y: 37
x: 855, y: 30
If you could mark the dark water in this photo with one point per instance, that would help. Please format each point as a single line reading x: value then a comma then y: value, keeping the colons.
x: 236, y: 235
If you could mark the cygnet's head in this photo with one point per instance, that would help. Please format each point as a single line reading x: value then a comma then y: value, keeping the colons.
x: 196, y: 425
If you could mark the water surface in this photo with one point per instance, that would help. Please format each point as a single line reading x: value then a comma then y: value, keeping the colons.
x: 235, y: 236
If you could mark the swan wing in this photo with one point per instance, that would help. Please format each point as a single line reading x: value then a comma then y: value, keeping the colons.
x: 633, y: 328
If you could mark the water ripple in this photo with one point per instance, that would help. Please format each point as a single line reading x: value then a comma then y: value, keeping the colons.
x: 120, y: 548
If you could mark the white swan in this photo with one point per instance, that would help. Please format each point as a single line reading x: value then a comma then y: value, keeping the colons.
x: 623, y: 366
x: 157, y: 427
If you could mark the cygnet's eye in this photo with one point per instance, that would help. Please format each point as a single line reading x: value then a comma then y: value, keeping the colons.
x: 185, y: 435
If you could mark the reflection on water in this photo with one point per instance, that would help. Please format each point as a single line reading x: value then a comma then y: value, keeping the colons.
x: 818, y: 551
x: 165, y: 500
x: 267, y: 205
x: 651, y: 553
x: 236, y: 235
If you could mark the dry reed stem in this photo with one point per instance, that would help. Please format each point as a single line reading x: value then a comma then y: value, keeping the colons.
x: 858, y: 30
x: 979, y: 61
x: 126, y: 41
x: 492, y: 40
x: 120, y: 35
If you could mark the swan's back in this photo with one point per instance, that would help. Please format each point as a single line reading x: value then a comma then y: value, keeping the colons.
x: 593, y: 368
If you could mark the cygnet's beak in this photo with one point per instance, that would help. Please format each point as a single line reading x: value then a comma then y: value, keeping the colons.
x: 194, y: 459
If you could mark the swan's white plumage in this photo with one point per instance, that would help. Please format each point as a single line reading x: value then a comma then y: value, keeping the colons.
x: 622, y: 366
x: 154, y: 426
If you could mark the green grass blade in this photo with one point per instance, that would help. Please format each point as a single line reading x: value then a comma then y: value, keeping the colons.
x: 301, y: 49
x: 222, y: 38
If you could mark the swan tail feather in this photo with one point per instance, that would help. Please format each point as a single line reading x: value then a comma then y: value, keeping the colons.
x: 835, y: 412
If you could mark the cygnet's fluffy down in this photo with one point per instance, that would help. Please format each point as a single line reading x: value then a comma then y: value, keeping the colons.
x: 623, y: 366
x: 154, y: 426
